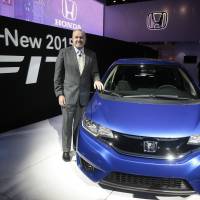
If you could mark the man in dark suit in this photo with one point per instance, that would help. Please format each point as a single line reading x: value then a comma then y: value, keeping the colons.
x: 75, y: 68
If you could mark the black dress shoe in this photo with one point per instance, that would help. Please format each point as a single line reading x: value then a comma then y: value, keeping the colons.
x: 66, y: 156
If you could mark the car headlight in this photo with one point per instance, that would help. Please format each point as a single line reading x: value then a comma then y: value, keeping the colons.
x: 194, y: 139
x: 96, y: 129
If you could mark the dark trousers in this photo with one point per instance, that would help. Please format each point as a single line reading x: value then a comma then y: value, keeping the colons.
x: 71, y: 120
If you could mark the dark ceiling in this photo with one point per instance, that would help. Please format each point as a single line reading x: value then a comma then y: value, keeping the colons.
x: 115, y: 2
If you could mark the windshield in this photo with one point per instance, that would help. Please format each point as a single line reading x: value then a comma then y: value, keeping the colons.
x: 144, y: 81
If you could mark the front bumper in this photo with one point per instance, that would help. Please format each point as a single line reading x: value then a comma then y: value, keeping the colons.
x: 98, y: 160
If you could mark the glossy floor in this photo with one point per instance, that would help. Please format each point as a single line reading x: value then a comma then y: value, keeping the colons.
x: 31, y: 168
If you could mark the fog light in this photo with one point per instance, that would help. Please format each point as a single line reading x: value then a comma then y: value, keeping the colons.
x: 87, y: 166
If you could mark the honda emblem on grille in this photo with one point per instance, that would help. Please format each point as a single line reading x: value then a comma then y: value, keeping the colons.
x: 150, y: 146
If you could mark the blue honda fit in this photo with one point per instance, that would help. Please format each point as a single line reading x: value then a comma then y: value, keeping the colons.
x: 142, y: 133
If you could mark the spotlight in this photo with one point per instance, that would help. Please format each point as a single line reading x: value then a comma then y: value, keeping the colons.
x: 183, y: 9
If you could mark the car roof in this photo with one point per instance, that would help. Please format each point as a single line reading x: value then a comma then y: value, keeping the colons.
x: 144, y: 61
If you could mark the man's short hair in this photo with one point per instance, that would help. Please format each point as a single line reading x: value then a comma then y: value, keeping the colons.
x: 80, y: 31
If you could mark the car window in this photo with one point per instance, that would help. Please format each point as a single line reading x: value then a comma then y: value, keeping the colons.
x: 154, y: 80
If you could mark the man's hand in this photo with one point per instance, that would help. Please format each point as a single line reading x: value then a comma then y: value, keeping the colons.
x: 61, y: 100
x: 98, y: 85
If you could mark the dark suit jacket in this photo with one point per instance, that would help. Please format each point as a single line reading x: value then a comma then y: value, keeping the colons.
x: 67, y: 78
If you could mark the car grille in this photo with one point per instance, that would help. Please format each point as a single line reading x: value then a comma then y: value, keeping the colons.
x: 145, y: 183
x: 135, y: 145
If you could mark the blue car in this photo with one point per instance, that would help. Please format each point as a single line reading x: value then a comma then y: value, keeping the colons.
x: 142, y: 133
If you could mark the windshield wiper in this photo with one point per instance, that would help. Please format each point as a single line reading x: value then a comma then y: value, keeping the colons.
x: 139, y: 96
x: 156, y: 96
x: 111, y: 93
x: 160, y: 96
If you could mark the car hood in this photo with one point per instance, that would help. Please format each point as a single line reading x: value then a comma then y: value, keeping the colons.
x: 145, y: 119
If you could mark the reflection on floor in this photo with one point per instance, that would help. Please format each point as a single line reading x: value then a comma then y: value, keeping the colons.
x: 31, y: 168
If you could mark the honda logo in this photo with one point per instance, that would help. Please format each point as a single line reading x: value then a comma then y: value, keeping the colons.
x: 69, y: 9
x: 150, y: 146
x: 157, y: 20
